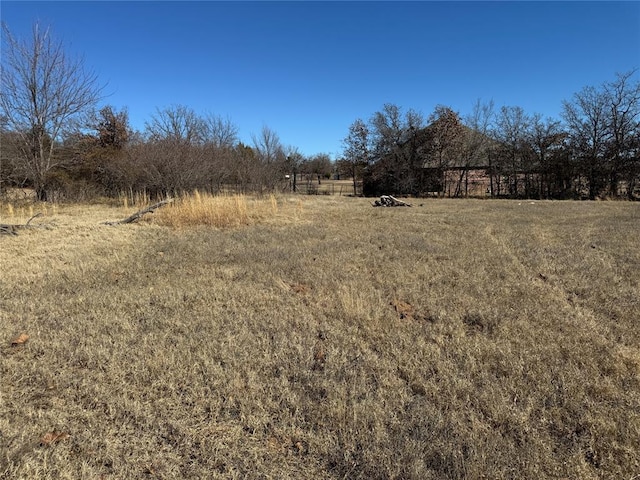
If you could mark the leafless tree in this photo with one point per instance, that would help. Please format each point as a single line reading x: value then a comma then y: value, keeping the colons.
x: 294, y: 162
x: 220, y: 132
x: 511, y: 131
x: 476, y: 141
x: 356, y: 154
x: 173, y: 155
x: 546, y: 139
x: 442, y: 144
x: 586, y: 118
x: 267, y: 145
x: 318, y: 166
x: 245, y: 168
x: 177, y: 124
x: 44, y: 94
x: 273, y: 162
x: 623, y: 161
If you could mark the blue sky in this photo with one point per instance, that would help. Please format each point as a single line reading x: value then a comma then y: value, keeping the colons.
x: 307, y: 70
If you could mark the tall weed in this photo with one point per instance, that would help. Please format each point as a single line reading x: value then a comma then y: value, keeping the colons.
x: 224, y: 211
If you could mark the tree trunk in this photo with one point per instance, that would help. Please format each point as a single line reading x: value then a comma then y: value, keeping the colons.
x: 355, y: 184
x: 41, y: 193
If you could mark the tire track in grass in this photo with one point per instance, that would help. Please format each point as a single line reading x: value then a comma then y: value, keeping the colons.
x: 581, y: 315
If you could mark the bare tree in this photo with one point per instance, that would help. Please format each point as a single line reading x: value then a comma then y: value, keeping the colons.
x: 356, y: 152
x: 221, y: 132
x: 294, y: 162
x: 442, y: 147
x: 176, y: 124
x: 546, y: 139
x: 319, y: 166
x: 272, y: 158
x: 511, y: 131
x: 412, y: 158
x: 173, y: 153
x: 245, y: 167
x: 267, y: 145
x: 624, y: 132
x: 476, y: 142
x: 587, y: 123
x: 44, y: 94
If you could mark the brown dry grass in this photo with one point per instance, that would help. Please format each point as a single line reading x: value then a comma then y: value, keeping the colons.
x: 226, y: 211
x: 461, y: 339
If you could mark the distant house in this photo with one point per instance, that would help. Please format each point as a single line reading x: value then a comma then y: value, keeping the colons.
x: 473, y: 181
x: 434, y: 162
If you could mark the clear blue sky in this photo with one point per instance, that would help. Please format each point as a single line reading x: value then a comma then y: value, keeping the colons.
x: 307, y: 70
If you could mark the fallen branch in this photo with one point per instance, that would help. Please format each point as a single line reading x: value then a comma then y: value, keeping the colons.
x: 389, y: 201
x: 11, y: 229
x: 39, y: 214
x: 136, y: 216
x: 8, y: 229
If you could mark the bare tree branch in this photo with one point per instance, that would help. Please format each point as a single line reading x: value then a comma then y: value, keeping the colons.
x: 136, y: 216
x: 44, y: 94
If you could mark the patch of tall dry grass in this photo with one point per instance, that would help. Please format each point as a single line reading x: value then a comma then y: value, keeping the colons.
x: 20, y: 212
x: 219, y: 211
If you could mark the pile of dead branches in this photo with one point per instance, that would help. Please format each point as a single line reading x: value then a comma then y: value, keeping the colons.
x: 389, y: 201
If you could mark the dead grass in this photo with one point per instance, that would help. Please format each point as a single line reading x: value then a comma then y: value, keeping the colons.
x: 225, y: 211
x: 461, y: 339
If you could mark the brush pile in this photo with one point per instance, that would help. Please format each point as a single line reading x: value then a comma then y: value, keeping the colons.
x: 389, y: 201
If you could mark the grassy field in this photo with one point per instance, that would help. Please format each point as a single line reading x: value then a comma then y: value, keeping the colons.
x: 322, y: 338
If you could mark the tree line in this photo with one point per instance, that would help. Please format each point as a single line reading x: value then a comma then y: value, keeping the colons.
x: 592, y: 151
x: 57, y: 140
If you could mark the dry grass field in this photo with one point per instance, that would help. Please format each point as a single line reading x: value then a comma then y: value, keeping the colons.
x: 322, y: 338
